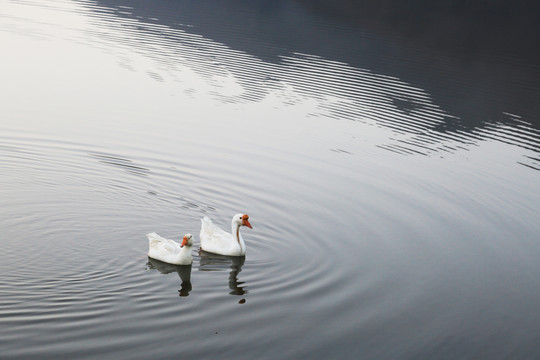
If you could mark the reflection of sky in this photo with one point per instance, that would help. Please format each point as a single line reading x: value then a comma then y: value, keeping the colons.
x: 165, y: 72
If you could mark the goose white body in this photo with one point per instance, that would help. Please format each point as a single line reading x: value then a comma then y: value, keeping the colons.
x: 218, y: 241
x: 170, y: 251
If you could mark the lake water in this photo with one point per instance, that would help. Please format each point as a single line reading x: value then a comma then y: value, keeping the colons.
x: 393, y: 188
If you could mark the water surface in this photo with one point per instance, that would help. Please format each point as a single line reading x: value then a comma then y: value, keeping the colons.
x: 393, y: 188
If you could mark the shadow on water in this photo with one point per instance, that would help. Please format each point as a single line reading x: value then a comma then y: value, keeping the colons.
x: 215, y: 262
x: 184, y: 271
x: 382, y: 61
x: 476, y: 61
x: 499, y: 27
x: 496, y: 26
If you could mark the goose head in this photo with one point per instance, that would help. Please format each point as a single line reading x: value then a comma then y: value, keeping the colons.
x: 241, y: 220
x: 187, y: 240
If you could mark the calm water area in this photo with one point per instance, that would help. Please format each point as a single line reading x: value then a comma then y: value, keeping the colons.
x: 393, y: 186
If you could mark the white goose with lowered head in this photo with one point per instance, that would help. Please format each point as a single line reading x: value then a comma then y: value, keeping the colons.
x: 218, y: 241
x: 170, y: 251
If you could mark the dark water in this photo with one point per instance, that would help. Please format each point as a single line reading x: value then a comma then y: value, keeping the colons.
x: 393, y: 185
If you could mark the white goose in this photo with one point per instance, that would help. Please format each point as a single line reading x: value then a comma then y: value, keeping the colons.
x: 170, y: 251
x: 218, y: 241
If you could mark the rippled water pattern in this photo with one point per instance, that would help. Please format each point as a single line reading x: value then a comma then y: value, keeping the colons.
x: 385, y: 223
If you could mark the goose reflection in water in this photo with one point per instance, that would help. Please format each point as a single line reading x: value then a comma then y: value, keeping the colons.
x: 215, y: 262
x: 184, y: 271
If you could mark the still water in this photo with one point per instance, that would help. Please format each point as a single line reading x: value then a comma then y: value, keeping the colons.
x: 393, y: 189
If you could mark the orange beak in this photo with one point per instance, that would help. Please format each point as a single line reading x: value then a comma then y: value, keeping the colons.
x: 184, y: 241
x: 245, y: 222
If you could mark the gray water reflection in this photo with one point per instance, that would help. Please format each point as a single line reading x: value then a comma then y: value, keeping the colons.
x: 233, y: 264
x: 183, y: 271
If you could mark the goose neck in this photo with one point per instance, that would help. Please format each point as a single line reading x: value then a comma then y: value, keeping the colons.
x: 235, y: 231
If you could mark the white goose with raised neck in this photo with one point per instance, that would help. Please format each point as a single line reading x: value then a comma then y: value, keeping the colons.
x: 218, y: 241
